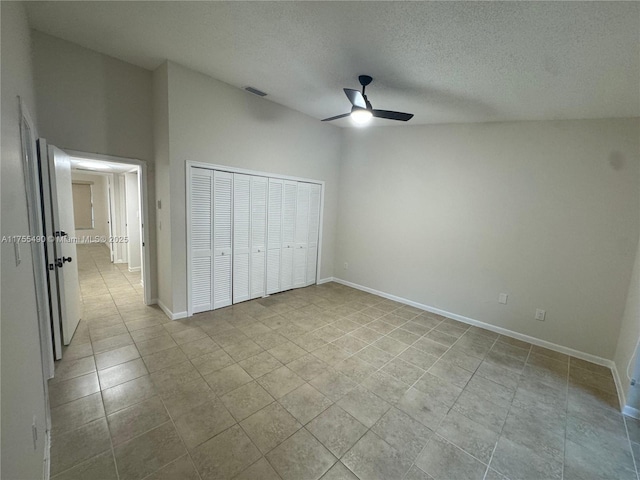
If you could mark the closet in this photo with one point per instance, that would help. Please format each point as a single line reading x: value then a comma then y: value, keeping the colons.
x: 248, y: 236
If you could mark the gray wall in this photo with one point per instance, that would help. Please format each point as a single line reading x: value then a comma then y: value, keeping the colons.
x: 94, y: 103
x: 451, y: 215
x: 213, y: 122
x: 22, y: 379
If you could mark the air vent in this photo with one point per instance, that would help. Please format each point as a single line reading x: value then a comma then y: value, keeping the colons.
x: 255, y: 91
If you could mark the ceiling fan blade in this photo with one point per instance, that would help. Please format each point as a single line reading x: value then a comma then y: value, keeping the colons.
x: 388, y: 114
x: 355, y: 97
x: 336, y: 117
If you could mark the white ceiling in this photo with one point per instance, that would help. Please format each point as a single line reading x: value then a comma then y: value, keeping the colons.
x: 444, y: 62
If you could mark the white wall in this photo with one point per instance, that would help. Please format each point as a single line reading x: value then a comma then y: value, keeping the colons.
x: 94, y: 103
x: 21, y: 375
x: 162, y: 185
x: 213, y: 122
x: 629, y: 333
x: 100, y: 205
x: 133, y: 221
x: 452, y: 215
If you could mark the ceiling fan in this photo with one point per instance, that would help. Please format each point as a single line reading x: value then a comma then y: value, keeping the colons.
x: 362, y: 111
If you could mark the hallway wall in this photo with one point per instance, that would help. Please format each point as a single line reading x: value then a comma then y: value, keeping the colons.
x: 23, y: 397
x: 91, y: 102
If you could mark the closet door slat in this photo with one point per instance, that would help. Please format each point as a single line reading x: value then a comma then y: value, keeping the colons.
x: 259, y: 187
x: 301, y: 236
x: 241, y: 237
x: 201, y: 239
x: 289, y: 202
x: 274, y: 234
x: 222, y: 234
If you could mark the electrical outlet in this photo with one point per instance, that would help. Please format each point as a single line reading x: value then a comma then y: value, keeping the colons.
x: 502, y: 298
x: 346, y: 265
x: 540, y: 314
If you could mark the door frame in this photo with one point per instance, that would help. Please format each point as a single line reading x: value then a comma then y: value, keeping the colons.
x: 224, y: 168
x: 144, y: 207
x: 34, y: 209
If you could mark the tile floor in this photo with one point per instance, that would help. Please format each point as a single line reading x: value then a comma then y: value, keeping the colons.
x: 322, y: 382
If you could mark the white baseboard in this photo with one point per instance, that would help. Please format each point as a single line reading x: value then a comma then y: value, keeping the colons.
x: 487, y: 326
x: 135, y: 269
x: 46, y: 473
x: 621, y: 390
x: 325, y: 280
x: 631, y: 412
x: 167, y: 312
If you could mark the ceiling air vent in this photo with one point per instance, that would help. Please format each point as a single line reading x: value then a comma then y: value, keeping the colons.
x: 255, y: 91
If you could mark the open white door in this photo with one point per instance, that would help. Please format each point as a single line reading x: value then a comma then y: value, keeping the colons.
x: 65, y: 234
x: 50, y: 249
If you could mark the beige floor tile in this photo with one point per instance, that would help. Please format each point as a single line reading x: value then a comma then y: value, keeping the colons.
x: 270, y: 426
x: 182, y: 468
x: 101, y: 467
x: 441, y: 460
x: 337, y: 430
x: 147, y: 453
x: 79, y: 445
x: 225, y: 455
x: 130, y: 422
x: 112, y: 376
x: 203, y: 422
x: 259, y: 470
x: 260, y: 364
x: 374, y: 459
x: 76, y: 413
x: 168, y: 380
x: 72, y: 389
x: 127, y: 394
x: 164, y: 359
x: 305, y: 403
x: 246, y: 400
x: 116, y: 357
x: 403, y: 433
x: 301, y: 456
x: 227, y: 379
x: 279, y: 382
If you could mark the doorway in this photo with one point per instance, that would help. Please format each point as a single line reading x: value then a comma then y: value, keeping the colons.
x: 109, y: 218
x: 95, y: 211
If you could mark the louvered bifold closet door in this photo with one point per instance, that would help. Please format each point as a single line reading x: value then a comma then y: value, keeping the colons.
x: 241, y: 237
x: 201, y: 239
x: 274, y: 234
x: 301, y: 236
x: 315, y: 192
x: 222, y: 231
x: 259, y: 186
x: 289, y: 200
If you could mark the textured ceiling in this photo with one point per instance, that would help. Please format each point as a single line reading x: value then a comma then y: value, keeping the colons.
x: 445, y: 61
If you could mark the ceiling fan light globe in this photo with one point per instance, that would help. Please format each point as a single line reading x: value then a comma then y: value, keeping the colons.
x: 361, y: 116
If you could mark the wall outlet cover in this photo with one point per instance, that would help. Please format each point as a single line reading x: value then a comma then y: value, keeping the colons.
x: 502, y: 298
x: 540, y: 314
